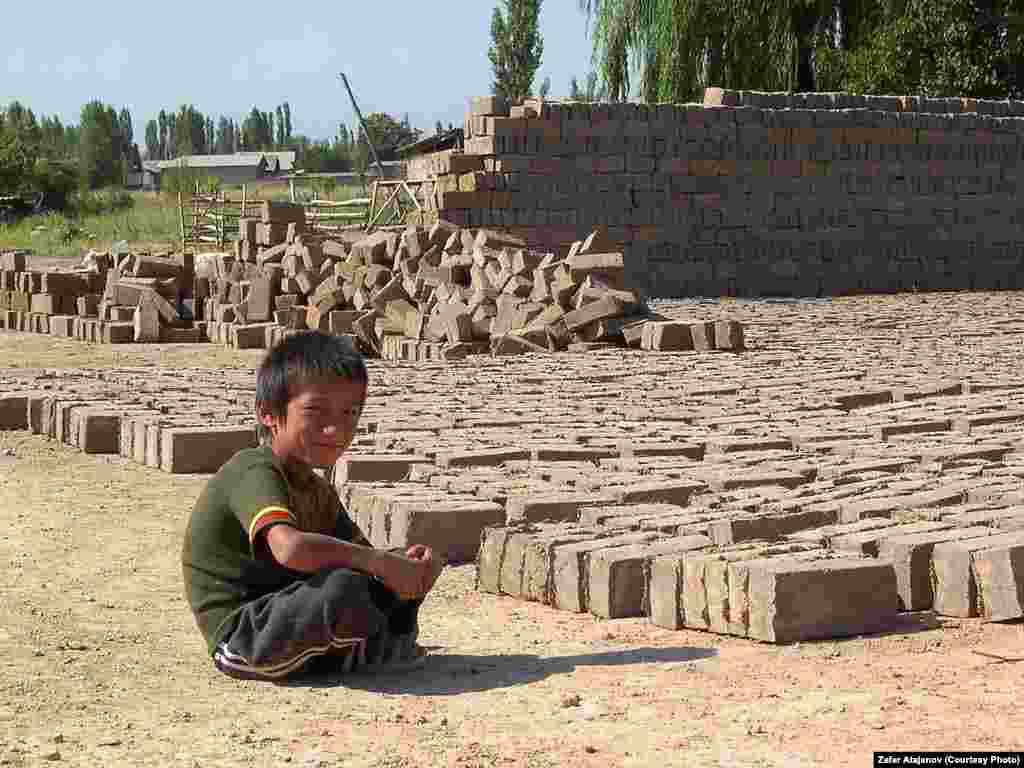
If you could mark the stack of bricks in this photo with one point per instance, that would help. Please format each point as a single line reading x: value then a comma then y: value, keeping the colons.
x: 441, y: 292
x: 139, y: 299
x: 753, y: 194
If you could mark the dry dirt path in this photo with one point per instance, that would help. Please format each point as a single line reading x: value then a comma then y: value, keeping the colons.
x: 102, y: 665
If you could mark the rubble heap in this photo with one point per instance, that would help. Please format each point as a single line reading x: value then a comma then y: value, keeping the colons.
x: 435, y: 292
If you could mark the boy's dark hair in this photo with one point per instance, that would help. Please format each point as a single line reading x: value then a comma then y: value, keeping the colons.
x: 298, y: 359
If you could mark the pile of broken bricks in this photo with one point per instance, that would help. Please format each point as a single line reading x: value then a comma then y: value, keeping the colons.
x: 111, y: 299
x: 438, y: 292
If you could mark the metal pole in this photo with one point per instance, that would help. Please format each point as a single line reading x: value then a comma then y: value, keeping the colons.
x: 362, y: 122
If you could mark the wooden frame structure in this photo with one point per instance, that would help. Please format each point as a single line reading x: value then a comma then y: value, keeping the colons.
x: 393, y: 204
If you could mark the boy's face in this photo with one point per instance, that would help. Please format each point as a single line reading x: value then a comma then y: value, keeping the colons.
x: 319, y: 422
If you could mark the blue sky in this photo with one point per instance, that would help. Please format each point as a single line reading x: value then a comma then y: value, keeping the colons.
x: 424, y: 59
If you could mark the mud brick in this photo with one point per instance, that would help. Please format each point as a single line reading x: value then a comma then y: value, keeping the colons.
x: 172, y: 335
x: 1008, y: 519
x: 48, y: 303
x: 538, y: 561
x: 636, y: 513
x: 852, y: 400
x: 513, y: 566
x: 14, y: 261
x: 120, y: 314
x: 563, y: 507
x: 369, y: 468
x: 769, y: 526
x: 616, y: 583
x: 967, y: 424
x: 868, y: 542
x: 793, y: 600
x: 260, y: 302
x: 486, y: 106
x: 631, y: 449
x: 911, y: 556
x: 14, y: 411
x: 487, y: 457
x: 451, y: 528
x: 88, y: 305
x: 276, y: 212
x: 99, y: 431
x: 676, y: 492
x: 61, y: 325
x: 186, y: 450
x: 824, y: 535
x: 756, y: 479
x: 885, y: 431
x: 953, y: 579
x: 570, y: 453
x: 666, y: 336
x: 893, y: 466
x: 569, y: 567
x: 602, y: 309
x: 490, y: 557
x: 726, y: 582
x: 703, y: 335
x: 999, y: 572
x: 744, y: 444
x: 729, y: 336
x: 694, y: 594
x: 664, y: 591
x: 35, y: 412
x: 253, y: 336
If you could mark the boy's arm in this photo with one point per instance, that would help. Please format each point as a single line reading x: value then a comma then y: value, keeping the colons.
x: 311, y: 552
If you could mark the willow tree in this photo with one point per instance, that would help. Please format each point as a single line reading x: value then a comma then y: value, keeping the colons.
x: 672, y: 49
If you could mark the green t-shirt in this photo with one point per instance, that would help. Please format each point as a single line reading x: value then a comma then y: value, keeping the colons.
x: 224, y: 562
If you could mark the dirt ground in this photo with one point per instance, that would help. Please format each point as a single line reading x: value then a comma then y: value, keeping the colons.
x: 103, y: 666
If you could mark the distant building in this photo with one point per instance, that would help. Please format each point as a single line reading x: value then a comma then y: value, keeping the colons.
x: 240, y: 168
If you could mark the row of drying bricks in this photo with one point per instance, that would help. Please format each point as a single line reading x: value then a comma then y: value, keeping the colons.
x: 831, y: 581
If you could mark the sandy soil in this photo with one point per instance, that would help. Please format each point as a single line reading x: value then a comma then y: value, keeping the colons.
x: 102, y: 665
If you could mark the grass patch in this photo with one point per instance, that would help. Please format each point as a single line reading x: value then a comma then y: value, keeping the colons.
x: 149, y: 221
x: 146, y: 220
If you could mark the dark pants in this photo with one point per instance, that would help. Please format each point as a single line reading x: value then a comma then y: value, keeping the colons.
x: 332, y: 613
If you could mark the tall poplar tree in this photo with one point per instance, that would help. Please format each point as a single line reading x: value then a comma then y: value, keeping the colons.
x: 517, y: 47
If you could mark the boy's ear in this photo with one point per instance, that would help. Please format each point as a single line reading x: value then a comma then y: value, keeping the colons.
x: 266, y: 418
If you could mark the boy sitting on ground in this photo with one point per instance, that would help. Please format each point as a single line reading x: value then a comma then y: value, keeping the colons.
x: 275, y: 572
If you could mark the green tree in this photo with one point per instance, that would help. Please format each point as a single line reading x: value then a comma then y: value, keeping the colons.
x: 286, y: 108
x: 516, y: 47
x: 939, y: 48
x: 100, y: 156
x: 152, y: 140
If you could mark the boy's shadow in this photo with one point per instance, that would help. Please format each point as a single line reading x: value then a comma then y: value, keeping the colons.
x: 450, y: 674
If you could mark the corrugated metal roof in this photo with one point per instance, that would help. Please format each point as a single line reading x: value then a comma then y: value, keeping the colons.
x: 215, y: 161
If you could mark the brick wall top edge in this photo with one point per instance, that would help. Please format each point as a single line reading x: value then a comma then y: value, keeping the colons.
x: 717, y: 98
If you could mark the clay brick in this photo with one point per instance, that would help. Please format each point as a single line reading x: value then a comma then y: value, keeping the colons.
x: 486, y: 457
x: 953, y: 579
x: 370, y: 468
x: 569, y: 568
x: 451, y: 528
x: 564, y: 507
x: 616, y: 580
x: 187, y: 450
x: 911, y: 556
x: 794, y: 601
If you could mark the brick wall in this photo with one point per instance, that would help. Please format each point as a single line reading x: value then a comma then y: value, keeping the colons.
x: 752, y: 193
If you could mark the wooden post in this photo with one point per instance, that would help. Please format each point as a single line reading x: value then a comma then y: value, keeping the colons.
x: 181, y: 216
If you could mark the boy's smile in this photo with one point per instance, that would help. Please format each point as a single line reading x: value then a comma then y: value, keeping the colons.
x: 319, y: 423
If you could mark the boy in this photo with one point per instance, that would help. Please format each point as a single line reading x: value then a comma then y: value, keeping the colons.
x: 275, y: 572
